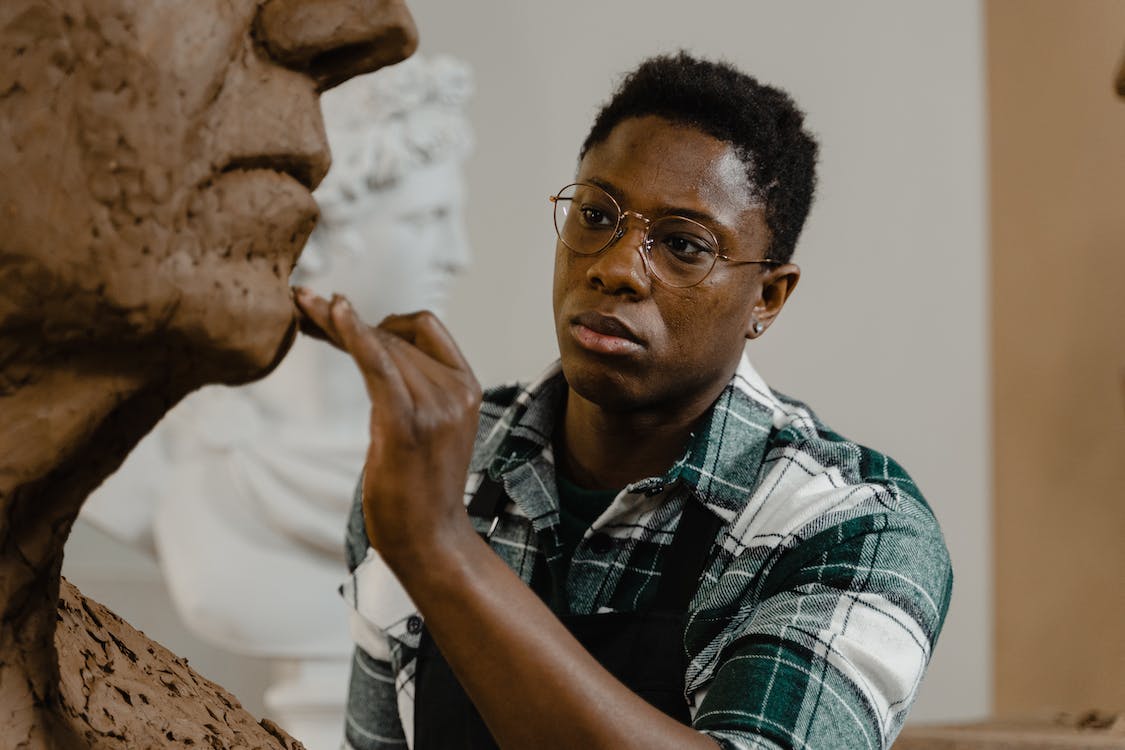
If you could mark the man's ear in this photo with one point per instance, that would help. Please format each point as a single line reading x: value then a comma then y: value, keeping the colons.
x: 777, y: 283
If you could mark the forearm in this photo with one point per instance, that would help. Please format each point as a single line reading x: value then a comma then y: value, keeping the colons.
x: 533, y: 683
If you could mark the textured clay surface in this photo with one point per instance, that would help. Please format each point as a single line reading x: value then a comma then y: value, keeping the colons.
x: 146, y: 696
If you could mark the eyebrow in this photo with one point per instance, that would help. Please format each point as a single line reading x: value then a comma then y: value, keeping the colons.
x: 701, y: 216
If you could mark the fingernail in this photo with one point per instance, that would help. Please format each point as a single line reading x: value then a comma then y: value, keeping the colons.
x: 342, y: 301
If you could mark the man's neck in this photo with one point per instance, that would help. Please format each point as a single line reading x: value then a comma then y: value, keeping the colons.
x: 601, y: 449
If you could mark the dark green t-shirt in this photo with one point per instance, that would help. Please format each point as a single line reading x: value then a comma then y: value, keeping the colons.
x: 578, y: 509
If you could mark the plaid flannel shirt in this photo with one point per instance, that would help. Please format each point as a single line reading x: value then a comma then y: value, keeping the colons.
x: 826, y: 589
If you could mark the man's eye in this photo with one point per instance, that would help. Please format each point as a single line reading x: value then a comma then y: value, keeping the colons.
x: 687, y: 249
x: 595, y: 217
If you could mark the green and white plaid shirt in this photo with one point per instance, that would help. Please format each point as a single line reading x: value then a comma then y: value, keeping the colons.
x: 826, y: 589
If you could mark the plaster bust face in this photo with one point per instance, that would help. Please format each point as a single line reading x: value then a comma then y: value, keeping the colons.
x: 156, y: 163
x: 396, y: 249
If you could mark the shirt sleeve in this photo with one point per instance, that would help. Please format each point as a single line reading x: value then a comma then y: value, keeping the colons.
x: 372, y: 721
x: 372, y: 713
x: 834, y: 645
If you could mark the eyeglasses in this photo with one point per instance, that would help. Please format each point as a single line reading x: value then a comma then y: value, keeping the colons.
x: 678, y: 251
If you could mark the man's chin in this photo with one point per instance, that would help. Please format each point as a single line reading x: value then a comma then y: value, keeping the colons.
x: 610, y: 389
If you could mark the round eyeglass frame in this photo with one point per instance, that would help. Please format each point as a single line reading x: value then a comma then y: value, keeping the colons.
x: 646, y: 242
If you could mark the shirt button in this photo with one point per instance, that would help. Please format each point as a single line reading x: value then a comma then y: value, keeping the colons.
x: 600, y: 544
x: 414, y: 624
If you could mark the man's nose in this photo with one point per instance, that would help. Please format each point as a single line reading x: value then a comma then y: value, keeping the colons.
x: 622, y: 267
x: 333, y: 40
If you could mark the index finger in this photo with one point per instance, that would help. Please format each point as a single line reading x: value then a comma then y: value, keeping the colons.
x: 315, y: 317
x: 426, y: 333
x: 381, y: 375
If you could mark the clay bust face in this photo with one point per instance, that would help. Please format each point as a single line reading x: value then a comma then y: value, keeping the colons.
x: 156, y: 163
x: 396, y: 249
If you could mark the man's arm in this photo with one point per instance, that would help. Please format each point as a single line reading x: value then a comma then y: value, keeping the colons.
x: 533, y: 683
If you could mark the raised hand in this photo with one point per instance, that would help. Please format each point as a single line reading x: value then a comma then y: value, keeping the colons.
x: 424, y: 405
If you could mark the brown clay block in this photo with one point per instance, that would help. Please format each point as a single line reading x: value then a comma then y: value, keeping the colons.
x: 124, y: 689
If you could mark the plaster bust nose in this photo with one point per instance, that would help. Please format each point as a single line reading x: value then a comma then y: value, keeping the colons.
x: 333, y: 40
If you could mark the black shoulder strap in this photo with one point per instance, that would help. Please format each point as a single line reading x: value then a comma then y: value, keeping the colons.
x: 687, y: 554
x: 489, y: 499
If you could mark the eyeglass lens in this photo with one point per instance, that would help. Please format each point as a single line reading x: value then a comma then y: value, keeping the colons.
x: 680, y: 251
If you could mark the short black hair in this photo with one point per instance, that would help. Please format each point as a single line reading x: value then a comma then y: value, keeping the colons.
x: 763, y: 124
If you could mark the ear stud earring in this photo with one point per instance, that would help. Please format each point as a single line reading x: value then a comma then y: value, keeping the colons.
x: 758, y: 327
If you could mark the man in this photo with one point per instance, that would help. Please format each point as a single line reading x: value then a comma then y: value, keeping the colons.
x: 676, y: 556
x: 156, y: 168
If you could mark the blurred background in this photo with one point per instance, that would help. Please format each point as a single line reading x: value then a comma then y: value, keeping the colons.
x: 960, y: 308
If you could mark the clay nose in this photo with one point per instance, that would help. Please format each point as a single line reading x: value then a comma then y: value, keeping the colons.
x: 333, y: 40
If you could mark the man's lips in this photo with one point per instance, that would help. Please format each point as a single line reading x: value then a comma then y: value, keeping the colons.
x: 607, y: 325
x: 604, y: 334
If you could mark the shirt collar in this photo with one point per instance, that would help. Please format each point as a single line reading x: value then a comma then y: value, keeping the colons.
x: 523, y: 429
x: 720, y: 463
x: 725, y: 453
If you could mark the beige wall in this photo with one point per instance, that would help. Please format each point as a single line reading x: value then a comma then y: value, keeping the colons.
x: 1057, y: 143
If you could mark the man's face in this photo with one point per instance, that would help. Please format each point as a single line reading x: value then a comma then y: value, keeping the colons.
x: 682, y: 345
x: 156, y: 163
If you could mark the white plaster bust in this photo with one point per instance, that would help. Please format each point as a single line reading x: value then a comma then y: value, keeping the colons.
x: 253, y: 484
